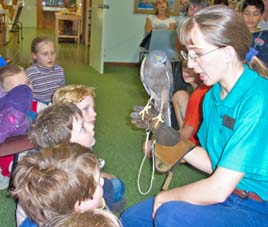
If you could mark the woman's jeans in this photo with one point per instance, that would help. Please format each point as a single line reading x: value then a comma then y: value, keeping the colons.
x: 234, y: 212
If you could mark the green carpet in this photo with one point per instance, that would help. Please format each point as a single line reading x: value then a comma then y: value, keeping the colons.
x: 118, y: 142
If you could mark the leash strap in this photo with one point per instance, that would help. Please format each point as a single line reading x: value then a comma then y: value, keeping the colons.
x: 148, y: 131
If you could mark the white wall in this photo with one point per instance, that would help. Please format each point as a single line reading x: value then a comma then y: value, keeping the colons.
x: 29, y: 15
x: 123, y: 31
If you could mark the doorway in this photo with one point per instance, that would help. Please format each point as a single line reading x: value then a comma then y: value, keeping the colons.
x: 46, y: 10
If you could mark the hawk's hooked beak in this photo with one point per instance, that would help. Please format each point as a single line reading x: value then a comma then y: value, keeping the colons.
x: 162, y: 60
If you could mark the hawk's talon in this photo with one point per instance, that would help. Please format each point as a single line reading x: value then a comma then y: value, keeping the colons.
x: 158, y: 119
x: 145, y: 111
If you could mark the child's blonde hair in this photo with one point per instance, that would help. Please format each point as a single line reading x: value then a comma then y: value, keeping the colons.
x: 51, y: 182
x: 93, y: 218
x: 72, y: 93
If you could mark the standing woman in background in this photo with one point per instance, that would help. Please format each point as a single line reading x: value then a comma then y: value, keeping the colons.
x: 161, y: 20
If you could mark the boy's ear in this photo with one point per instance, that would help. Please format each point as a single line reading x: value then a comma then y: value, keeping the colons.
x: 33, y: 56
x: 83, y: 206
x: 79, y: 207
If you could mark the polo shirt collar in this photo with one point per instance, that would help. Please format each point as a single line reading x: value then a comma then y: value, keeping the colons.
x: 241, y: 86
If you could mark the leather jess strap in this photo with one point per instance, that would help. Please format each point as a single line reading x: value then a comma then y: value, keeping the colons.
x: 247, y: 195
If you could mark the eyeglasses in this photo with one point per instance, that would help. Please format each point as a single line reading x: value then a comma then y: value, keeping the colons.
x: 194, y: 56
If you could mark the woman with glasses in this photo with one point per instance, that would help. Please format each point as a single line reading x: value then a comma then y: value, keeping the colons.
x: 233, y: 134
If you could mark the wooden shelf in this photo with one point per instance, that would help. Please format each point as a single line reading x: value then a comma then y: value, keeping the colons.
x: 76, y: 20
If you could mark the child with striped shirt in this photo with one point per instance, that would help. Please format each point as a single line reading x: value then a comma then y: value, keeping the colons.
x: 44, y: 74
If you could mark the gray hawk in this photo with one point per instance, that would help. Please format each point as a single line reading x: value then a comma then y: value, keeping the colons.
x: 157, y: 79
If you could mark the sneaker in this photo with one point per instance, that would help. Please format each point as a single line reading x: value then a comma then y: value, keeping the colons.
x: 101, y: 163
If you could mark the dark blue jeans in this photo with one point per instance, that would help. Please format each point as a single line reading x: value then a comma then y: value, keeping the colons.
x: 234, y: 212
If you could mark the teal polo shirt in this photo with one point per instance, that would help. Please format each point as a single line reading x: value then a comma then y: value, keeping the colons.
x: 234, y: 130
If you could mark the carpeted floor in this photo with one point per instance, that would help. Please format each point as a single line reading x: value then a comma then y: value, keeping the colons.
x: 118, y: 142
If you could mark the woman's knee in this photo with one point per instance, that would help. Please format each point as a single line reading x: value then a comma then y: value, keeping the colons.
x: 173, y: 213
x: 167, y: 210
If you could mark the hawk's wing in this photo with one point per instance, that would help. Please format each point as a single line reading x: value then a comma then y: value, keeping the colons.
x: 143, y: 75
x: 169, y: 76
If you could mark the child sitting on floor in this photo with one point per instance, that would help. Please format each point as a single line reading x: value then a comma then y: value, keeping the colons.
x: 188, y: 107
x: 57, y: 181
x: 15, y: 105
x: 61, y: 123
x: 44, y: 74
x: 12, y: 76
x: 83, y: 97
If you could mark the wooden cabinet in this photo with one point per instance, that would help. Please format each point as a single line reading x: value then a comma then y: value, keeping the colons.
x: 73, y: 33
x: 46, y: 12
x: 46, y: 15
